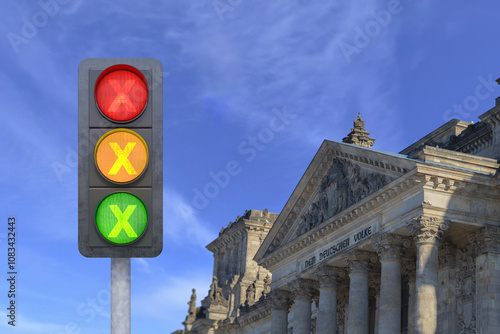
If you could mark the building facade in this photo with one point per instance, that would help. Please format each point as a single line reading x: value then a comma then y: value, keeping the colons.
x: 238, y: 281
x: 371, y: 242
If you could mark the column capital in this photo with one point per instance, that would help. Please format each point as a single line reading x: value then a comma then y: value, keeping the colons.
x: 329, y: 276
x: 390, y: 246
x: 427, y: 229
x: 359, y: 262
x: 486, y: 240
x: 302, y: 288
x: 280, y: 300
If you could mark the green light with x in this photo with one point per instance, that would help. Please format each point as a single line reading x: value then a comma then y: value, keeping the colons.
x: 121, y: 218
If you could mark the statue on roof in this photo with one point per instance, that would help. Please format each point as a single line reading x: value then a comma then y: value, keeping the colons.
x: 192, y: 305
x: 191, y: 317
x: 358, y: 135
x: 359, y: 123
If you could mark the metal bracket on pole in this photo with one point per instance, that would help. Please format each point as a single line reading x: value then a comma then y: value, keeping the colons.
x: 120, y: 296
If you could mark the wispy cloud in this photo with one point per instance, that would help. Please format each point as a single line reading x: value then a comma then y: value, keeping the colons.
x: 144, y: 265
x: 242, y: 77
x: 167, y: 301
x: 182, y: 223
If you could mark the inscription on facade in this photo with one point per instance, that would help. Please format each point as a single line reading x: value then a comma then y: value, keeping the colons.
x: 310, y: 262
x: 338, y: 246
x: 334, y: 249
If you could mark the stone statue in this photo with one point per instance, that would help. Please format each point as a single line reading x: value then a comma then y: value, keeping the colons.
x: 267, y: 285
x: 359, y: 123
x: 215, y: 294
x: 251, y: 294
x: 192, y: 306
x: 214, y: 290
x: 358, y: 135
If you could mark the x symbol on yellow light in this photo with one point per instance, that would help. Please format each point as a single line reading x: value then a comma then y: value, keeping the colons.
x: 122, y: 158
x: 122, y: 221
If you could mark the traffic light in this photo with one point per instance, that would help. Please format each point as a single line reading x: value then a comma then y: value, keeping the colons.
x: 120, y: 157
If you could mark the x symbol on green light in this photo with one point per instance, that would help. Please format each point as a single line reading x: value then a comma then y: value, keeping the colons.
x: 122, y: 221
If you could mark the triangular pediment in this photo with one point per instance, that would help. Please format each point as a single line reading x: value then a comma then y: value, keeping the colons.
x: 344, y: 184
x: 339, y: 176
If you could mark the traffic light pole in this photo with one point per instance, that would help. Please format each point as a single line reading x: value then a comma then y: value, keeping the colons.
x: 120, y: 296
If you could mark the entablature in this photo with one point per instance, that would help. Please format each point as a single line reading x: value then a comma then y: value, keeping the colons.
x: 459, y: 160
x: 255, y: 313
x: 453, y: 180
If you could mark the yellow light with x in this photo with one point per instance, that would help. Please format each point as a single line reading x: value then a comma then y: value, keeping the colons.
x: 121, y: 155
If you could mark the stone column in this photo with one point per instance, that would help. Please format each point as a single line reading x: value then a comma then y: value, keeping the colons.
x: 360, y: 263
x: 342, y: 305
x: 226, y: 267
x: 280, y: 303
x: 328, y: 278
x: 447, y: 291
x: 243, y: 254
x: 239, y: 267
x: 409, y: 272
x: 374, y: 295
x: 220, y: 266
x: 426, y: 232
x: 302, y: 290
x: 233, y: 262
x: 487, y: 280
x: 390, y: 248
x: 216, y: 264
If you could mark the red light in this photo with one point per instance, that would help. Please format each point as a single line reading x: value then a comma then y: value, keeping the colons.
x: 121, y: 93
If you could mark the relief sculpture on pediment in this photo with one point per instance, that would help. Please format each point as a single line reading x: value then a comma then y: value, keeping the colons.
x: 344, y: 185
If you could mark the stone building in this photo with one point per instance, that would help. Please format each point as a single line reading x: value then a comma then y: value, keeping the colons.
x: 238, y: 281
x: 371, y: 242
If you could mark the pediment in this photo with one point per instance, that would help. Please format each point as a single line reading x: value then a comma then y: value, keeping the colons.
x: 339, y: 176
x: 344, y: 184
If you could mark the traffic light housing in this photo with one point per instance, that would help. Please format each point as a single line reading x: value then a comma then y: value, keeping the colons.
x: 120, y: 157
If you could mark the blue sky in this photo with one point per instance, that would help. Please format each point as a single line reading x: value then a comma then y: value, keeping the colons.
x: 230, y: 68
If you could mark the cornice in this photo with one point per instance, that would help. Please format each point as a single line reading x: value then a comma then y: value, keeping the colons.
x: 238, y: 230
x: 223, y: 241
x: 369, y: 161
x: 256, y: 312
x: 458, y: 160
x: 452, y: 180
x: 458, y: 217
x: 478, y: 144
x: 491, y: 117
